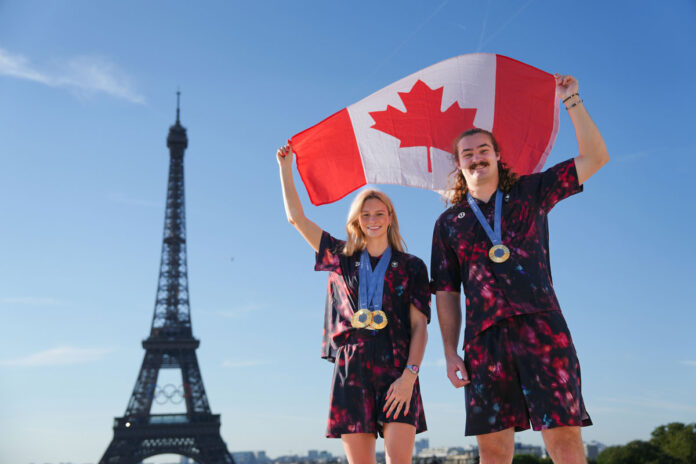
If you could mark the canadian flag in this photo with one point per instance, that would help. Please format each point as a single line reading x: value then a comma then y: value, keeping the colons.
x: 403, y: 133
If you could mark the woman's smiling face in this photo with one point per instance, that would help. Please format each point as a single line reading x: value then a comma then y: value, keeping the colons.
x: 374, y: 219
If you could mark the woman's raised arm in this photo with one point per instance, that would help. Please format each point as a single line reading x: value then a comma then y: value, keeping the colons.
x: 293, y: 208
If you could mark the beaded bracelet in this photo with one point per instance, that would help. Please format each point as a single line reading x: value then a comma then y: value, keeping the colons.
x: 574, y: 104
x: 570, y: 96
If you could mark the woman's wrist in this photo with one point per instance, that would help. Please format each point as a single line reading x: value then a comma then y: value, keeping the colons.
x: 411, y: 372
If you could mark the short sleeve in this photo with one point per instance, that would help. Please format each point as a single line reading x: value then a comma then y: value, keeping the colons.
x: 557, y: 183
x: 328, y: 255
x: 420, y: 287
x: 444, y: 264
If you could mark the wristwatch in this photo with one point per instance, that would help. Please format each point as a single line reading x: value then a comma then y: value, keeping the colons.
x: 413, y: 368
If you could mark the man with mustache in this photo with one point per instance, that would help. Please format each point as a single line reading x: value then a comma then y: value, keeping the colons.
x: 520, y: 365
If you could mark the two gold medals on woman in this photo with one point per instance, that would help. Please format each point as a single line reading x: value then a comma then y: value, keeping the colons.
x: 370, y: 291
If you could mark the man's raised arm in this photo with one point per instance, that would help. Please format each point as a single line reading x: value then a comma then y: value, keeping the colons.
x: 592, y: 151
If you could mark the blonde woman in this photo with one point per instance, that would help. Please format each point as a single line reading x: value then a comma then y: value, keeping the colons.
x: 377, y: 310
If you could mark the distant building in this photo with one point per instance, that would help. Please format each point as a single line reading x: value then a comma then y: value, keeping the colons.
x: 467, y: 457
x: 249, y: 457
x: 420, y: 445
x: 261, y: 457
x: 288, y: 459
x: 591, y: 451
x: 244, y: 457
x: 448, y: 455
x: 593, y: 448
x: 317, y: 457
x: 532, y: 450
x: 440, y: 452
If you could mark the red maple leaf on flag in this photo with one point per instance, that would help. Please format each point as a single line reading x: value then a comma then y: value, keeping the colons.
x: 423, y: 124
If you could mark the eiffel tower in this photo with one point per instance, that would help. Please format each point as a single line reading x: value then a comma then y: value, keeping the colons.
x: 140, y: 434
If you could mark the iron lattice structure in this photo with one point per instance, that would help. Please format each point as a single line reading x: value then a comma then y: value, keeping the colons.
x: 140, y: 434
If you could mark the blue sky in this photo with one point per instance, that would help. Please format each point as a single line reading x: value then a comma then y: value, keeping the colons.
x: 87, y: 93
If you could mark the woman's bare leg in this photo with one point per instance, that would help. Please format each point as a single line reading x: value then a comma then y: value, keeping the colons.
x: 360, y: 447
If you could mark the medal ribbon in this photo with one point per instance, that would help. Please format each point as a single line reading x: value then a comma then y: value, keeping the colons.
x: 371, y: 283
x: 495, y: 234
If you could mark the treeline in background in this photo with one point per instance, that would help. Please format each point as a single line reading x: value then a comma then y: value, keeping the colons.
x: 674, y: 443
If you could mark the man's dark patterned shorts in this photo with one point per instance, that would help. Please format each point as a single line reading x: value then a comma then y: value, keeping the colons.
x: 523, y: 369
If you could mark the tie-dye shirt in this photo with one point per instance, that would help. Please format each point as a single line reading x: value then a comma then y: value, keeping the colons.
x: 522, y: 284
x: 405, y: 283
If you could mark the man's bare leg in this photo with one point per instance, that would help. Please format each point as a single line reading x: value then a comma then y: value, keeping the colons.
x: 564, y: 444
x: 497, y: 447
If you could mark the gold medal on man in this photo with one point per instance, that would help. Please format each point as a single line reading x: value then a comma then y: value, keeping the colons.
x: 499, y: 253
x: 361, y: 319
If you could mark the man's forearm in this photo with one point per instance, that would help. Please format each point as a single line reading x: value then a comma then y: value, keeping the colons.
x: 449, y: 315
x: 592, y: 151
x: 590, y: 141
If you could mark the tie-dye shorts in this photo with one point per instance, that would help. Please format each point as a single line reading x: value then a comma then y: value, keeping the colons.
x: 364, y: 370
x: 523, y: 369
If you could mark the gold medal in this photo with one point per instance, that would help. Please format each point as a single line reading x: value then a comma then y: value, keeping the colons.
x: 499, y: 253
x: 361, y: 319
x: 379, y: 320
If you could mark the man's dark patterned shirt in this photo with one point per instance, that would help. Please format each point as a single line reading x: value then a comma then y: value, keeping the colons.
x: 522, y: 284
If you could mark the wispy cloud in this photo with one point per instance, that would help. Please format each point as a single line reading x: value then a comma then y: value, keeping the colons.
x: 688, y: 363
x: 84, y: 75
x: 506, y: 24
x: 414, y: 31
x: 483, y: 27
x: 59, y: 356
x: 246, y: 363
x: 32, y: 301
x: 642, y: 155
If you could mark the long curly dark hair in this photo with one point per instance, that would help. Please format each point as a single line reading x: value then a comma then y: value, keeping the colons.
x: 506, y: 176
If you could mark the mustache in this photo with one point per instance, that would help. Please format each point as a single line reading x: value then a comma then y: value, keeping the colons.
x: 479, y: 164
